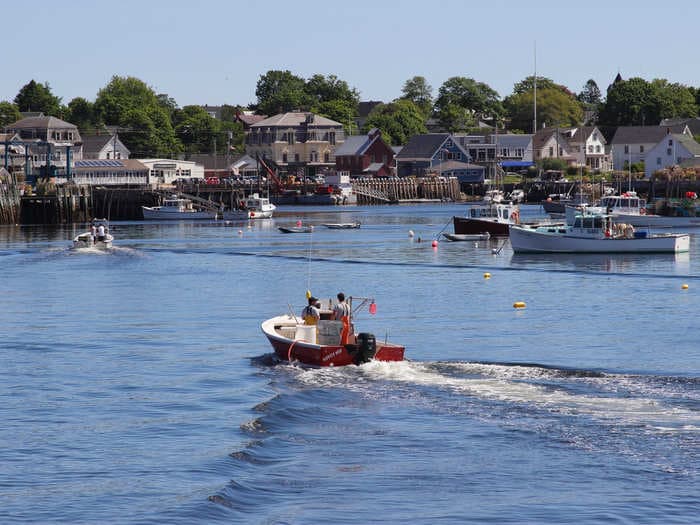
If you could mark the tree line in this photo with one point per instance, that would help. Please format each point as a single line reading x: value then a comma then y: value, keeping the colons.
x: 153, y: 124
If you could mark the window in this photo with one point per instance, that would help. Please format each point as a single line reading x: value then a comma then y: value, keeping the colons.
x: 641, y: 148
x: 296, y: 157
x: 284, y: 157
x: 108, y: 154
x: 670, y: 142
x: 519, y: 152
x: 331, y: 137
x: 551, y: 151
x: 314, y: 156
x: 590, y: 148
x: 627, y: 148
x: 597, y: 148
x: 658, y: 161
x: 326, y: 157
x: 669, y: 151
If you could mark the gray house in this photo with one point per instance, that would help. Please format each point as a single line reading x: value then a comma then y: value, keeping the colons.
x: 104, y: 147
x: 429, y: 153
x: 631, y: 143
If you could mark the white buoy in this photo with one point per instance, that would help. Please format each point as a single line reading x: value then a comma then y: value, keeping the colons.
x: 410, y: 233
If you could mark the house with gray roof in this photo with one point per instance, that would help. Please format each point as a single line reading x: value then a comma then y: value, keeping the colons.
x: 359, y: 152
x: 673, y: 149
x: 297, y: 142
x: 429, y: 153
x: 52, y: 144
x: 632, y: 143
x: 693, y: 124
x: 588, y: 147
x: 104, y: 146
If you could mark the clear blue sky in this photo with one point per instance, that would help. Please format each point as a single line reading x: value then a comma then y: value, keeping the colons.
x: 214, y: 51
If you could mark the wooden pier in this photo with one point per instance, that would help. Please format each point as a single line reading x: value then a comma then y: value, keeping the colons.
x: 395, y: 190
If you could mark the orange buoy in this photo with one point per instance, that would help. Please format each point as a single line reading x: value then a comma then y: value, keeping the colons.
x: 519, y: 304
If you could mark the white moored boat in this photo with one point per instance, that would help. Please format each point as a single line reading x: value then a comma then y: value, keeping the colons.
x: 254, y: 207
x: 594, y: 233
x: 631, y: 209
x: 176, y: 208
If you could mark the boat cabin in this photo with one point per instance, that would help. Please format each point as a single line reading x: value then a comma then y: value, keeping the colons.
x: 626, y: 203
x: 500, y: 212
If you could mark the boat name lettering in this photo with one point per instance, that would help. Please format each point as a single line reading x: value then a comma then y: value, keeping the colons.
x: 334, y: 353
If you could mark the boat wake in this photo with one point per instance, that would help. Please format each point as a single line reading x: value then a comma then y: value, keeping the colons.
x: 654, y: 403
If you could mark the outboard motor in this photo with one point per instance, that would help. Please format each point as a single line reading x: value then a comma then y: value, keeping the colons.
x: 366, y: 348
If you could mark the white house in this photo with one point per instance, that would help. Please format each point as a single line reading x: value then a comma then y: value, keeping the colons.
x: 673, y: 149
x: 587, y: 147
x: 104, y: 147
x: 632, y: 143
x: 167, y: 171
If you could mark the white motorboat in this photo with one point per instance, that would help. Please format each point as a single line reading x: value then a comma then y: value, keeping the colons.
x: 516, y: 196
x: 176, y: 208
x: 253, y: 207
x: 494, y: 196
x: 467, y: 236
x: 98, y: 237
x: 342, y: 225
x: 594, y: 233
x: 631, y: 209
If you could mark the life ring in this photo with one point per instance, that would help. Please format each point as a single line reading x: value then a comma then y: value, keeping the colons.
x: 642, y: 211
x: 252, y: 214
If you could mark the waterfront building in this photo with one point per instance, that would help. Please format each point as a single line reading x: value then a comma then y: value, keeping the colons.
x: 104, y: 146
x: 631, y: 144
x: 365, y: 155
x: 672, y: 150
x: 427, y: 154
x: 298, y: 143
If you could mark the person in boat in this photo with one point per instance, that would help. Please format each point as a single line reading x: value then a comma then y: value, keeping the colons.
x: 101, y: 232
x: 93, y: 231
x: 341, y: 309
x: 311, y: 313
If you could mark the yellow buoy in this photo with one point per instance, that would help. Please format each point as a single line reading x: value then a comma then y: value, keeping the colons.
x: 685, y: 286
x: 519, y: 304
x: 487, y: 275
x: 308, y: 294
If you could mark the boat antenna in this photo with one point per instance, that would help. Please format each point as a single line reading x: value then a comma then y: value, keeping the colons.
x: 308, y: 265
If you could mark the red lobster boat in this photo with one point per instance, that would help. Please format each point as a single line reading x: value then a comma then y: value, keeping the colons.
x: 330, y: 343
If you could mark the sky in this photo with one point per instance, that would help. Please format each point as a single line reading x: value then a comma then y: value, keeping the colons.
x: 214, y: 51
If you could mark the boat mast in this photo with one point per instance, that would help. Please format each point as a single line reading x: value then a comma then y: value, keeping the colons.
x: 534, y: 98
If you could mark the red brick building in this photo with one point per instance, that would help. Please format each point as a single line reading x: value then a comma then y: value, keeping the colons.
x: 365, y: 155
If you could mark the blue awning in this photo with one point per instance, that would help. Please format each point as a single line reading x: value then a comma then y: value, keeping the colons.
x: 516, y: 164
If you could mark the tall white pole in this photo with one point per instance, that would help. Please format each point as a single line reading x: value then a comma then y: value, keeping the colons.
x: 534, y: 98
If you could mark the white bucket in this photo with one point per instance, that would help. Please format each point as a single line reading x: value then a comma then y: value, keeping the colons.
x: 306, y: 332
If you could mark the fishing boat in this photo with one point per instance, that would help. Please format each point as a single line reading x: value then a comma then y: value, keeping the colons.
x: 342, y: 225
x: 329, y: 343
x: 631, y: 209
x: 494, y: 219
x: 594, y: 233
x: 176, y: 208
x: 253, y: 207
x: 455, y: 237
x: 296, y: 229
x: 92, y: 237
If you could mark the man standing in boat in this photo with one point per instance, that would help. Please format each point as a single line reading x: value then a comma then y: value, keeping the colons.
x: 341, y: 309
x: 311, y: 314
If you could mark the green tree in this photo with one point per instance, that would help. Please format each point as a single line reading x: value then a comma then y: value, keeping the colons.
x: 144, y: 120
x: 527, y: 85
x: 343, y: 111
x: 674, y: 100
x: 555, y: 107
x: 280, y: 91
x: 398, y: 121
x: 322, y: 89
x: 630, y: 102
x: 590, y: 94
x: 473, y: 97
x: 38, y: 97
x: 418, y: 91
x: 82, y: 113
x: 9, y: 113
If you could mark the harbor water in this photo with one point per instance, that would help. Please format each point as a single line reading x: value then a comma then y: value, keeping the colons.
x: 137, y: 387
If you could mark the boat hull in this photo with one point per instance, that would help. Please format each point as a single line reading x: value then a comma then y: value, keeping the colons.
x: 321, y: 355
x: 469, y: 226
x: 524, y: 240
x: 300, y: 229
x: 467, y: 237
x: 657, y: 221
x: 164, y: 215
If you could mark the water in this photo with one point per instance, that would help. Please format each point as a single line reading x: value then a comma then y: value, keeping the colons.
x: 137, y: 387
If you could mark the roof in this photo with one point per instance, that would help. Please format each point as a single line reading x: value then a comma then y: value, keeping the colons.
x: 688, y: 143
x: 374, y: 167
x: 364, y: 108
x: 249, y: 120
x: 544, y: 135
x: 295, y: 119
x: 581, y: 133
x: 513, y: 140
x: 454, y: 165
x: 41, y: 123
x: 354, y: 145
x: 644, y: 134
x: 692, y: 123
x: 109, y: 164
x: 422, y: 146
x: 95, y: 142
